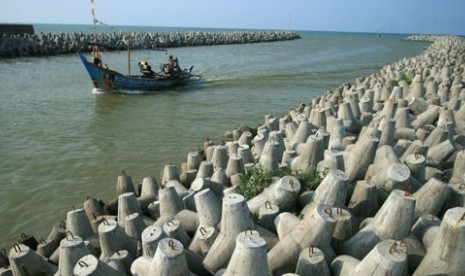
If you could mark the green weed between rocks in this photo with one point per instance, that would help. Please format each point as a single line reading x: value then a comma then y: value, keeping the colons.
x: 403, y: 77
x: 255, y: 179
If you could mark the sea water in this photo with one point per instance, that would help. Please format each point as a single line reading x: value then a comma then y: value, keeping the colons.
x: 60, y: 143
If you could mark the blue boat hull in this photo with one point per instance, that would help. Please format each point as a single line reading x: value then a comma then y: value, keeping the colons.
x: 107, y: 80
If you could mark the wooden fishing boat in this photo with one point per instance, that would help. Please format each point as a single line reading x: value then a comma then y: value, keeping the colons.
x: 106, y: 80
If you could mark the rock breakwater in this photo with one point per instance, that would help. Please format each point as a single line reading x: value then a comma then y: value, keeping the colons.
x: 389, y: 149
x: 12, y: 45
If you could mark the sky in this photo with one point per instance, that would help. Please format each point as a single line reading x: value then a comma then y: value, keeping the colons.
x: 375, y: 16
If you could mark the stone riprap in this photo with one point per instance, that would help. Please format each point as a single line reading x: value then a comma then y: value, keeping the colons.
x: 14, y: 45
x: 391, y: 203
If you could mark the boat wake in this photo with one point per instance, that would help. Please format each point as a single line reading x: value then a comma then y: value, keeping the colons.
x: 97, y: 91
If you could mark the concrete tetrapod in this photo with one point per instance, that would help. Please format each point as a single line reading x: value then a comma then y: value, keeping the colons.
x: 388, y: 257
x: 270, y: 157
x: 24, y: 261
x: 170, y: 202
x: 312, y: 154
x: 72, y: 248
x: 312, y: 262
x: 169, y: 259
x: 113, y: 238
x: 447, y: 252
x: 249, y: 256
x: 234, y: 220
x: 124, y: 184
x: 173, y: 230
x: 393, y: 221
x: 151, y: 236
x: 358, y: 157
x: 90, y: 265
x: 430, y: 198
x: 425, y: 229
x: 317, y: 230
x: 331, y: 192
x: 332, y: 160
x: 364, y: 202
x: 208, y: 208
x: 78, y: 223
x: 127, y: 205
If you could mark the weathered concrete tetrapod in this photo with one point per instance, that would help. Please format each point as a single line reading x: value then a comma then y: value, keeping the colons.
x: 364, y: 201
x: 72, y: 248
x: 134, y: 225
x: 333, y: 159
x: 121, y: 261
x: 169, y: 259
x: 417, y: 165
x: 170, y: 202
x: 343, y: 230
x: 149, y: 186
x: 208, y: 208
x: 312, y: 262
x: 235, y: 165
x: 312, y: 154
x: 285, y: 222
x: 90, y: 265
x: 220, y: 157
x: 93, y: 210
x: 393, y: 221
x: 206, y: 239
x: 301, y: 134
x: 78, y: 223
x: 127, y: 205
x: 234, y: 220
x: 170, y: 172
x: 193, y: 160
x: 113, y: 238
x: 245, y: 152
x: 439, y: 153
x: 270, y: 157
x: 428, y: 117
x: 430, y: 198
x: 267, y: 215
x: 387, y: 134
x: 388, y: 257
x: 425, y: 229
x: 181, y: 190
x: 459, y: 166
x: 173, y: 230
x: 205, y: 170
x: 317, y: 231
x: 282, y: 193
x: 24, y: 261
x: 124, y: 184
x: 417, y: 105
x: 331, y: 192
x: 151, y: 236
x: 249, y: 256
x: 360, y: 156
x: 447, y: 253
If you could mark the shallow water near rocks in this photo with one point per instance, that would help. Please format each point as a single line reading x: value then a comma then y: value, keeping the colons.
x: 60, y: 143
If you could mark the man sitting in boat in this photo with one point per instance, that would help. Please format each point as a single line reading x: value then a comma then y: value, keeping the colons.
x: 146, y: 69
x: 172, y: 67
x: 97, y: 56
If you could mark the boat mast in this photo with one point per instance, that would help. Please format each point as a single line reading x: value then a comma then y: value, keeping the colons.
x: 94, y: 48
x: 129, y: 54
